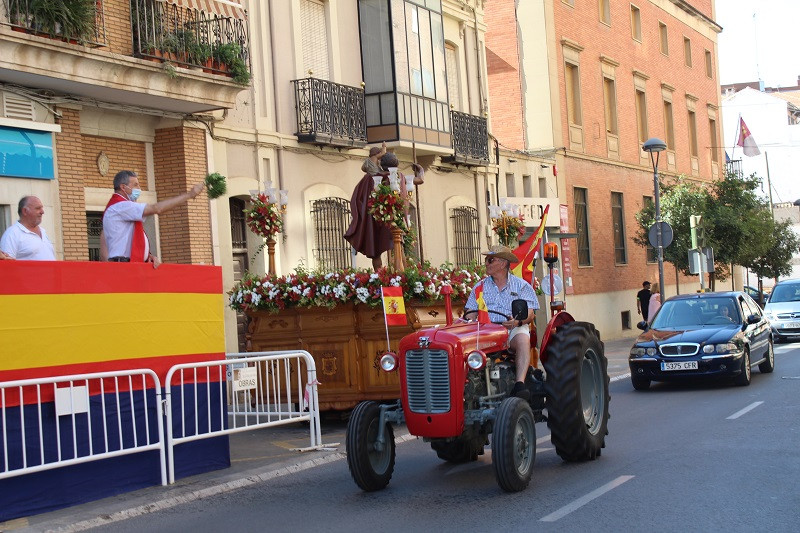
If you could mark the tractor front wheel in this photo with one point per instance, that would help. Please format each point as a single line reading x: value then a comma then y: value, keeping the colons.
x: 371, y: 462
x: 513, y: 444
x: 577, y: 394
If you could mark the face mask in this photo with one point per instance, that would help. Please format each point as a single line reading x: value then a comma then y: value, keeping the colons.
x: 134, y: 195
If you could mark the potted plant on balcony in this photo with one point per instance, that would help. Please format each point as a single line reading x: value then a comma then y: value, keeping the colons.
x: 229, y: 58
x: 73, y: 20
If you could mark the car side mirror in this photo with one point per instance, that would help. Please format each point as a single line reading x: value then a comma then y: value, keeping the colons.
x: 642, y: 325
x: 753, y: 319
x: 519, y: 309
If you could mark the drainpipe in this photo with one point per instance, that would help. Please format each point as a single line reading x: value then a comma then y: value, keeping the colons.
x: 276, y: 100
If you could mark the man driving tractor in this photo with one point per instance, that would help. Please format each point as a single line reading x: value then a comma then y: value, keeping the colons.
x: 491, y: 298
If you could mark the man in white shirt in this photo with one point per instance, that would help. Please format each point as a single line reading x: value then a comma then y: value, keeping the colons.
x: 27, y: 240
x: 123, y: 238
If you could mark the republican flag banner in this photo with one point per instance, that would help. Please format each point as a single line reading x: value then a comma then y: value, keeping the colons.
x: 394, y: 307
x: 483, y: 311
x: 746, y: 140
x: 526, y: 252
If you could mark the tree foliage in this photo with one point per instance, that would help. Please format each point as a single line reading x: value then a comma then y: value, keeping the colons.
x: 782, y: 244
x: 739, y: 225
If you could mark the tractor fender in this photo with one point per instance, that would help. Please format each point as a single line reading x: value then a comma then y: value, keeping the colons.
x: 560, y: 318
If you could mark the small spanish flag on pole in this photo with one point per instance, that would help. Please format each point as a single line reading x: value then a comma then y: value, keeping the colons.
x: 394, y: 308
x: 483, y: 312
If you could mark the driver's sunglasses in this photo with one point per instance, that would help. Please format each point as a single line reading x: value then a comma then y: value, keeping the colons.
x: 490, y: 260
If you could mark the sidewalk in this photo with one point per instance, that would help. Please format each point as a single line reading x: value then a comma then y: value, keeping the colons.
x: 256, y: 456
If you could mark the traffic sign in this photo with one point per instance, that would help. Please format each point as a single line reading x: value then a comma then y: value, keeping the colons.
x: 695, y: 257
x: 666, y: 235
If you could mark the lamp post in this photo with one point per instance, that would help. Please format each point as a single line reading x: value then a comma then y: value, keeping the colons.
x: 656, y: 146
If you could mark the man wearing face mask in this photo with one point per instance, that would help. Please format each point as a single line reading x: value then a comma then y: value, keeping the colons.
x: 123, y: 238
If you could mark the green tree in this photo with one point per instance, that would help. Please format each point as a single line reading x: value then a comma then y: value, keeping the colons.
x: 679, y: 200
x: 733, y: 215
x: 782, y: 244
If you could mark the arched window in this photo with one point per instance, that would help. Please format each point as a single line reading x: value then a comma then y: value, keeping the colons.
x: 240, y: 260
x: 466, y: 245
x: 331, y: 217
x: 238, y: 225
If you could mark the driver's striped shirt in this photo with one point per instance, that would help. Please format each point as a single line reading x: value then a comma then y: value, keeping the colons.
x: 500, y: 300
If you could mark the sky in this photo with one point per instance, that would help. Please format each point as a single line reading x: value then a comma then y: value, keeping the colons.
x: 758, y: 40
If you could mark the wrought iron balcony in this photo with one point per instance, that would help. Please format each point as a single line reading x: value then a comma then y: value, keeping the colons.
x: 470, y: 140
x: 330, y: 113
x: 734, y: 167
x: 191, y: 38
x: 79, y: 21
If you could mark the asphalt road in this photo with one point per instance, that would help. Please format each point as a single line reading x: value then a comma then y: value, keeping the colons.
x: 707, y: 457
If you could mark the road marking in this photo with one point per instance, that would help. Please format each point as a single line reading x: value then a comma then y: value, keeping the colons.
x: 790, y: 377
x: 580, y: 502
x: 747, y: 409
x: 620, y: 377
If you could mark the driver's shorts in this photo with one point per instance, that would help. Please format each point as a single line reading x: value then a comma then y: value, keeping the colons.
x: 524, y: 328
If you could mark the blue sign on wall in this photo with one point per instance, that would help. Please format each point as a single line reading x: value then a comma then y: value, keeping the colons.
x: 26, y: 153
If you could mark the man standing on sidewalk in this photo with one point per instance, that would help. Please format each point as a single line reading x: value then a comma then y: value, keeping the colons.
x: 26, y: 239
x: 643, y: 300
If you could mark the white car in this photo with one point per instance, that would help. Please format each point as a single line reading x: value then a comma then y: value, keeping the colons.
x: 783, y: 310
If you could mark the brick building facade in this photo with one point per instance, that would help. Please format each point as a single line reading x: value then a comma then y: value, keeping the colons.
x: 618, y: 73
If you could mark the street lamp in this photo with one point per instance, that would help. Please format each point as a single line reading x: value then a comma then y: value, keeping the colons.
x: 656, y: 146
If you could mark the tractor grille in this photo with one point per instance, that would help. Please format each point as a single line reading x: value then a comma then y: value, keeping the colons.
x: 428, y: 381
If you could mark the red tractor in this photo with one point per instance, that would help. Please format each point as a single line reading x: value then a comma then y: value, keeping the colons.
x: 455, y: 383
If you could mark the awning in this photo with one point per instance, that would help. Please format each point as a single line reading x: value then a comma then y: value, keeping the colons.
x: 223, y: 8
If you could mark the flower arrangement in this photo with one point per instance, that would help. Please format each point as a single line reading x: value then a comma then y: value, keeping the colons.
x: 509, y: 228
x: 328, y: 289
x: 386, y: 205
x: 264, y: 217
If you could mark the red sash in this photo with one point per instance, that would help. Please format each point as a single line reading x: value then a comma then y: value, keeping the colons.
x: 139, y: 243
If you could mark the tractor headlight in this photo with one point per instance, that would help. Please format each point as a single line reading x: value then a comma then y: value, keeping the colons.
x: 389, y: 362
x: 476, y: 360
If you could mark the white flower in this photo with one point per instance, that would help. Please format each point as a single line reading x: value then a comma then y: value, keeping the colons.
x: 418, y: 288
x: 373, y: 276
x: 329, y: 275
x: 256, y: 298
x: 362, y: 294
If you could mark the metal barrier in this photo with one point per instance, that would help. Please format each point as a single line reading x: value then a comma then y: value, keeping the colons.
x: 264, y: 389
x: 58, y: 421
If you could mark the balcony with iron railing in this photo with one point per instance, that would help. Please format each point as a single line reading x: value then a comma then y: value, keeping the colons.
x: 470, y: 136
x: 166, y: 55
x: 734, y: 167
x: 330, y: 113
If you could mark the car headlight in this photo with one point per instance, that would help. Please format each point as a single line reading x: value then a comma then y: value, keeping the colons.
x: 708, y: 348
x: 725, y: 348
x: 637, y: 350
x: 651, y: 351
x: 476, y: 360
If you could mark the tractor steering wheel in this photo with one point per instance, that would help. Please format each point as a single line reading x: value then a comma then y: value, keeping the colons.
x: 475, y: 312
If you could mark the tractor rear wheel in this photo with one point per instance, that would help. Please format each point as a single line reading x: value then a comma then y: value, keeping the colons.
x: 514, y: 444
x: 576, y: 389
x: 371, y: 464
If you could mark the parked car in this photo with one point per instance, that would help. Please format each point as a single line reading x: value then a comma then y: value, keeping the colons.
x: 755, y: 294
x: 713, y: 334
x: 783, y: 310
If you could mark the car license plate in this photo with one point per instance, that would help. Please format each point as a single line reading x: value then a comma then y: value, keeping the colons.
x: 679, y: 365
x: 791, y: 325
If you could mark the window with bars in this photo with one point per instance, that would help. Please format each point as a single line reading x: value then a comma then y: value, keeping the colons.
x: 618, y: 223
x: 466, y: 244
x: 582, y: 226
x: 650, y: 251
x: 330, y: 218
x: 238, y: 224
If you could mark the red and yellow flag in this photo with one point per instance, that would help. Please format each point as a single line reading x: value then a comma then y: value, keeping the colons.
x: 394, y: 307
x: 527, y: 251
x: 483, y: 313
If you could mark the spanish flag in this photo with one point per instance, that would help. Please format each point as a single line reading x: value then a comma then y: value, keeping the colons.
x: 526, y: 252
x: 394, y: 307
x: 483, y: 313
